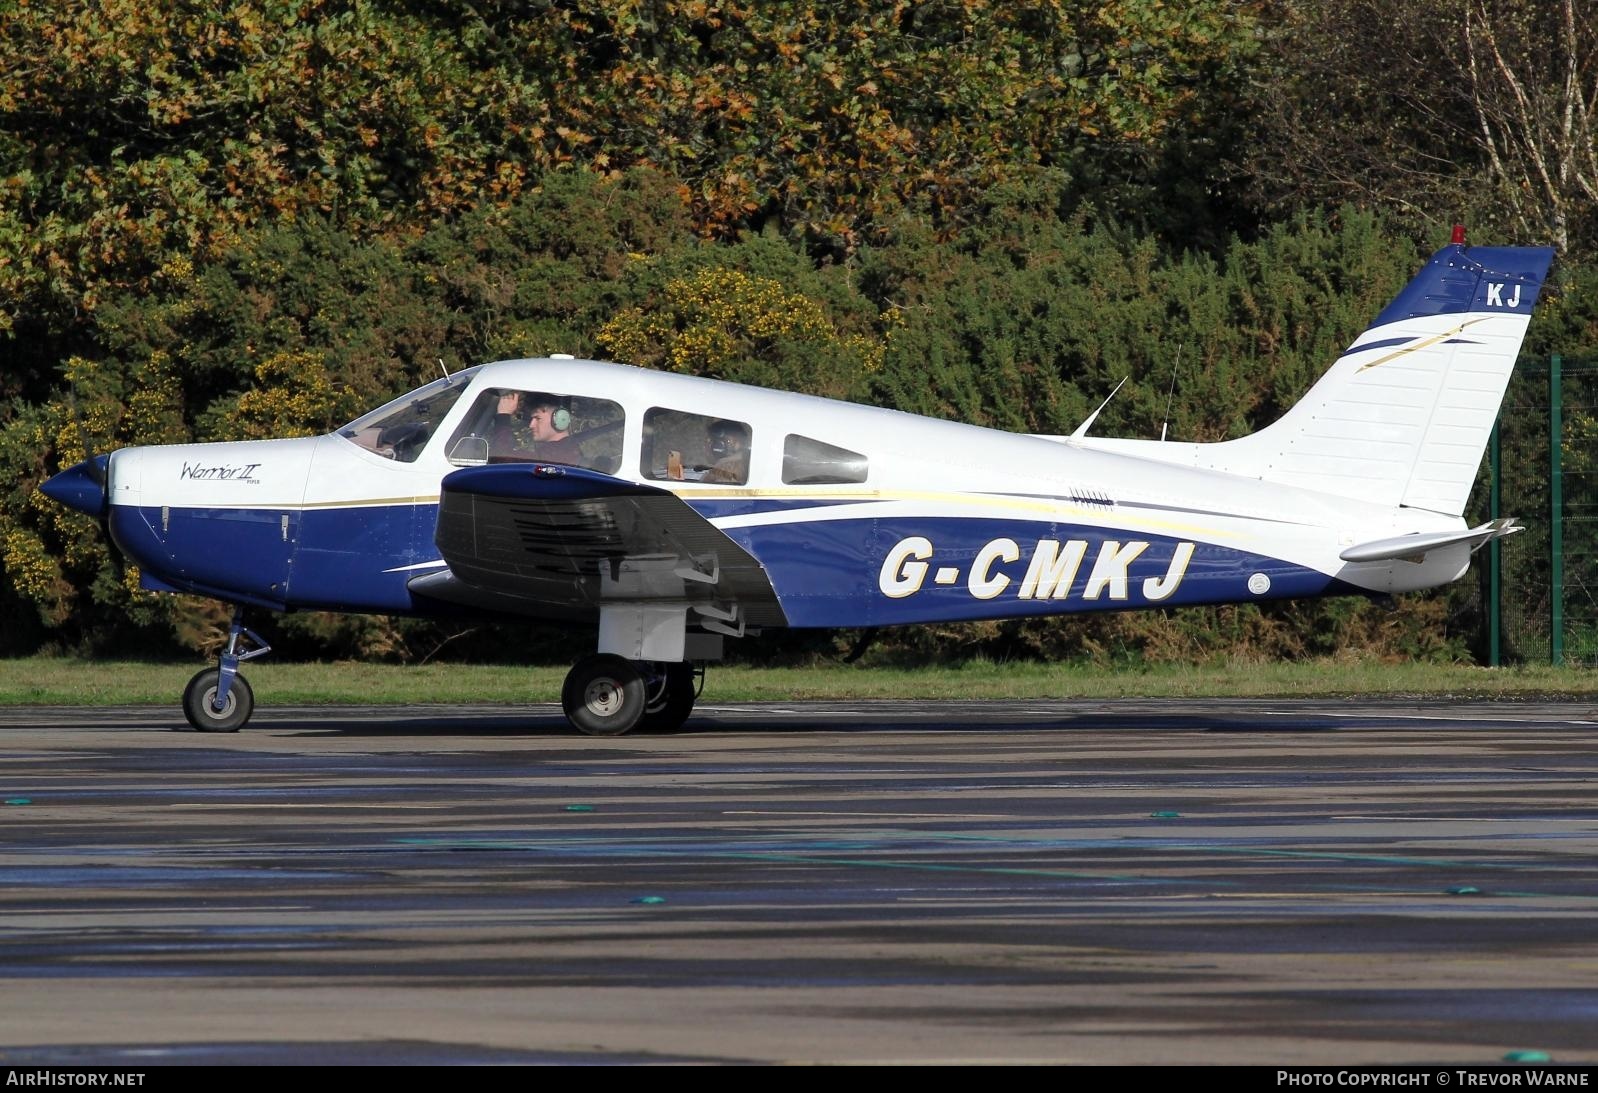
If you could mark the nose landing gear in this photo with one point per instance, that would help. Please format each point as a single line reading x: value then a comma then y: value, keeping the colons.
x: 220, y: 699
x: 210, y: 709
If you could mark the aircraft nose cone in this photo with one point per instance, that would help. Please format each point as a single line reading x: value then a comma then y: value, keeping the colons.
x: 80, y: 487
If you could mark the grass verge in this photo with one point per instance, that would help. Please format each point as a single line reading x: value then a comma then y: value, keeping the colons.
x: 63, y: 681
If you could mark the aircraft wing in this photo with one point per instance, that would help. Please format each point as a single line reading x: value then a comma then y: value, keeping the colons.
x: 558, y: 541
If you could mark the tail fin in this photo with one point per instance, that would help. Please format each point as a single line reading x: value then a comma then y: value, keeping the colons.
x: 1403, y: 416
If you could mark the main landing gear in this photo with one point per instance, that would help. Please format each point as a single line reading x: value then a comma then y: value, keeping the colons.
x: 219, y: 699
x: 607, y: 695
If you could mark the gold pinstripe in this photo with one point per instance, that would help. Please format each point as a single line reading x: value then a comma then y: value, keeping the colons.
x: 1427, y: 344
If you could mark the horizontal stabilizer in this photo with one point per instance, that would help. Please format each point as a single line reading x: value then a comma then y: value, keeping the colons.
x: 1413, y: 548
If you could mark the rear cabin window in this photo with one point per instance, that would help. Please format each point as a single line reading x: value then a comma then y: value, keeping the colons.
x: 513, y: 425
x: 684, y: 447
x: 810, y: 462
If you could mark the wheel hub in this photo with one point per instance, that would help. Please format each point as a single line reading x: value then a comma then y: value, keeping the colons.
x: 603, y: 697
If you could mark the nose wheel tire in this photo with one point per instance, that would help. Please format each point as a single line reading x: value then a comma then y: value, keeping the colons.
x: 603, y: 695
x: 199, y: 702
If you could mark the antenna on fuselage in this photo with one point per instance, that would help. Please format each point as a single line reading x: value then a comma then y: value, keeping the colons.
x: 1171, y: 394
x: 1082, y: 429
x: 442, y: 369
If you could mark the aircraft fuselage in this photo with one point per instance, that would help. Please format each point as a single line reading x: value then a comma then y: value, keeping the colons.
x: 947, y: 522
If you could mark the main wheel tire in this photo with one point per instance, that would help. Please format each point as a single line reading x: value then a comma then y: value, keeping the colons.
x: 603, y: 695
x: 673, y: 702
x: 200, y: 694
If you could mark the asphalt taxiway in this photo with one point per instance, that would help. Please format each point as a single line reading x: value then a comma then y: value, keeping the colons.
x: 1263, y: 882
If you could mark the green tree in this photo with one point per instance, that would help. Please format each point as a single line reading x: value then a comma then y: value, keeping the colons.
x: 294, y: 329
x: 133, y: 132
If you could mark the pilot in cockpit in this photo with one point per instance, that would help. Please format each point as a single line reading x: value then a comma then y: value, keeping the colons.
x: 549, y: 421
x: 729, y: 449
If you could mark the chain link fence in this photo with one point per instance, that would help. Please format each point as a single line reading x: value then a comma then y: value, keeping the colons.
x: 1547, y: 474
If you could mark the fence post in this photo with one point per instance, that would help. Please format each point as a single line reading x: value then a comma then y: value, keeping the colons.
x: 1494, y: 574
x: 1556, y: 513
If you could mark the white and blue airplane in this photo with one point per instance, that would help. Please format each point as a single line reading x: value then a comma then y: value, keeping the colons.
x: 671, y: 513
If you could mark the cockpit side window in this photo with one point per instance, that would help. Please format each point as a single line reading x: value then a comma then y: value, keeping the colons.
x: 401, y: 429
x: 810, y: 462
x: 686, y: 447
x: 514, y: 425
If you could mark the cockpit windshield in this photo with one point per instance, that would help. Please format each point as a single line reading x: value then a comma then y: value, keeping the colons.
x: 402, y: 428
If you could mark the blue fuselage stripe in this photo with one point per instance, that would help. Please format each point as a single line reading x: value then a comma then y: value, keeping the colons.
x: 829, y: 571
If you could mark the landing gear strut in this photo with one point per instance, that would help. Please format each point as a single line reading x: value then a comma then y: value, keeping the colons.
x: 608, y: 695
x: 219, y: 699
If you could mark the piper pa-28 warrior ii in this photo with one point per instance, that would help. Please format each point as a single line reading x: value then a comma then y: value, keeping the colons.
x: 673, y: 512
